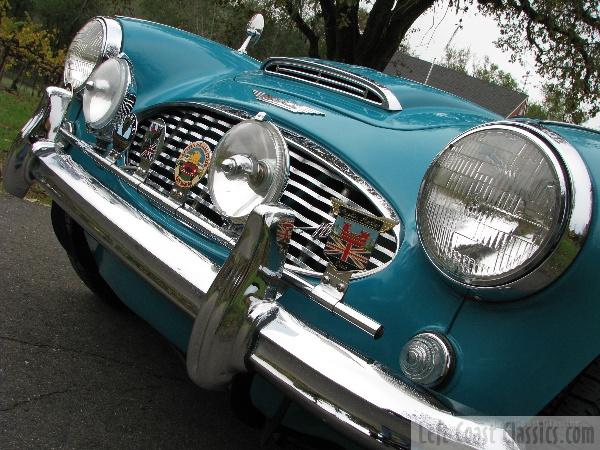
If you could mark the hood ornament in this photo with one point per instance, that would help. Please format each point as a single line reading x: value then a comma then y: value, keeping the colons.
x: 288, y: 105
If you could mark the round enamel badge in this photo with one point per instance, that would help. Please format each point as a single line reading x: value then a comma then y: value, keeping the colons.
x: 192, y: 164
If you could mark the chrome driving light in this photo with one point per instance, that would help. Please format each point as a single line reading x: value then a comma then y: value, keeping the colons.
x: 496, y: 207
x: 250, y: 166
x: 105, y: 92
x: 99, y: 39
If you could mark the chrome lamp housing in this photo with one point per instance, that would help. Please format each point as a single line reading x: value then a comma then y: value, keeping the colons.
x: 98, y: 39
x: 503, y: 210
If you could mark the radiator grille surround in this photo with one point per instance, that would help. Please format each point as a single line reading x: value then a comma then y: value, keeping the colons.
x: 315, y: 176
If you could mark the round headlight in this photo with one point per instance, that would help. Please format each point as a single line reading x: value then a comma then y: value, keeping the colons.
x: 105, y: 91
x: 492, y: 206
x: 98, y: 39
x: 250, y: 166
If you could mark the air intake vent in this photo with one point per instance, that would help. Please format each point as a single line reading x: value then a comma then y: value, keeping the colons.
x: 334, y: 79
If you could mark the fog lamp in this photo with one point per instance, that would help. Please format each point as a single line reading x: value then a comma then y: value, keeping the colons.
x: 105, y: 91
x: 427, y: 359
x: 250, y: 166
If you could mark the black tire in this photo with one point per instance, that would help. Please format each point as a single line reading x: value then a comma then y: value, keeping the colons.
x: 72, y: 238
x: 581, y: 397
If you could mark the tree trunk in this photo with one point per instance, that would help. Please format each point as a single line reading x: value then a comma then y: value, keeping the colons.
x: 385, y: 30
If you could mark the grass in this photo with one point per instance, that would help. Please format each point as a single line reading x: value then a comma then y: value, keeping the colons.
x: 15, y: 110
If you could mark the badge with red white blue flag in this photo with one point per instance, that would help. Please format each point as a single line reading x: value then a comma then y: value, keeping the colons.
x: 353, y: 237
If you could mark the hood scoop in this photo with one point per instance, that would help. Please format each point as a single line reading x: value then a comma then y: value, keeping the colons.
x: 333, y: 78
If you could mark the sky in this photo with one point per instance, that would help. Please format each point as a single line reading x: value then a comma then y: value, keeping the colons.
x: 432, y: 32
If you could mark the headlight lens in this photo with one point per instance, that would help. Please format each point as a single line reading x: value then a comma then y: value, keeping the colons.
x: 98, y: 39
x: 250, y: 166
x: 491, y: 206
x: 105, y: 91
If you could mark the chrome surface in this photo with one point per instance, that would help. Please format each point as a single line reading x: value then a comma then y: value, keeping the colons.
x: 333, y: 78
x: 351, y: 393
x: 250, y: 165
x: 179, y: 272
x: 112, y: 41
x: 288, y: 105
x: 114, y: 37
x: 189, y: 217
x: 44, y: 123
x: 576, y: 194
x: 104, y: 129
x: 254, y: 30
x: 240, y: 300
x: 427, y: 359
x: 315, y: 177
x: 354, y: 395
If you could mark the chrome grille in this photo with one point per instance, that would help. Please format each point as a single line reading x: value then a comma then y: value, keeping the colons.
x: 311, y: 185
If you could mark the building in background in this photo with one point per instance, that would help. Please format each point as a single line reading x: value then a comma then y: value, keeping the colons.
x: 499, y: 99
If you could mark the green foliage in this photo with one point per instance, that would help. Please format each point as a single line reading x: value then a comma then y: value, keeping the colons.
x: 15, y: 111
x: 564, y: 38
x: 557, y: 105
x: 456, y: 59
x: 492, y: 73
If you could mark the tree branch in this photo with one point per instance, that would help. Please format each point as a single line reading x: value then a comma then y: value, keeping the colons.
x: 347, y: 30
x: 378, y: 20
x: 305, y: 29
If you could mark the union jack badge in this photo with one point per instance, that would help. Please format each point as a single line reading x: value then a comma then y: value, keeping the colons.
x: 151, y: 146
x: 285, y: 228
x: 123, y: 135
x: 353, y: 237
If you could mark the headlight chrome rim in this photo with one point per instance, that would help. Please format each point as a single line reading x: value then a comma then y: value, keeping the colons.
x: 111, y: 46
x: 576, y: 215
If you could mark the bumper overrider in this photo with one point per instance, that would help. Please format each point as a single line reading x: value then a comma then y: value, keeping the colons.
x: 238, y: 324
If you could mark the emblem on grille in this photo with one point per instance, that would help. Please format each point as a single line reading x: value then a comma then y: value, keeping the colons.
x: 123, y: 135
x: 192, y: 164
x: 286, y: 104
x: 353, y: 237
x: 151, y: 146
x: 285, y: 228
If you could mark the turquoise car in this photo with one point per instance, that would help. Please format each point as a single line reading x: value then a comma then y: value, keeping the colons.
x: 355, y: 256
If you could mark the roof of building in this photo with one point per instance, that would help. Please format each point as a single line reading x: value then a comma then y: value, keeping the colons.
x: 499, y: 99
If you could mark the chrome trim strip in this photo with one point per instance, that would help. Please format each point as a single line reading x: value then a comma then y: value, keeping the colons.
x: 577, y: 206
x: 387, y: 98
x: 350, y: 392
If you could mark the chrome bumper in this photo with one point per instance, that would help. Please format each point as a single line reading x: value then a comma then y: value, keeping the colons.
x: 238, y: 324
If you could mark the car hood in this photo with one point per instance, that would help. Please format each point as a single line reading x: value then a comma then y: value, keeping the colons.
x: 422, y: 106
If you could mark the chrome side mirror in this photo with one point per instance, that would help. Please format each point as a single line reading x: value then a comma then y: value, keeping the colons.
x: 253, y: 31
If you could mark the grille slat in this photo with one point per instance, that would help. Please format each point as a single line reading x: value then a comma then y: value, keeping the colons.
x: 310, y: 186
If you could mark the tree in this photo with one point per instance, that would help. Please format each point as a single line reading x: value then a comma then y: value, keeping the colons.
x: 492, y: 73
x: 456, y: 59
x: 557, y: 106
x: 562, y: 35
